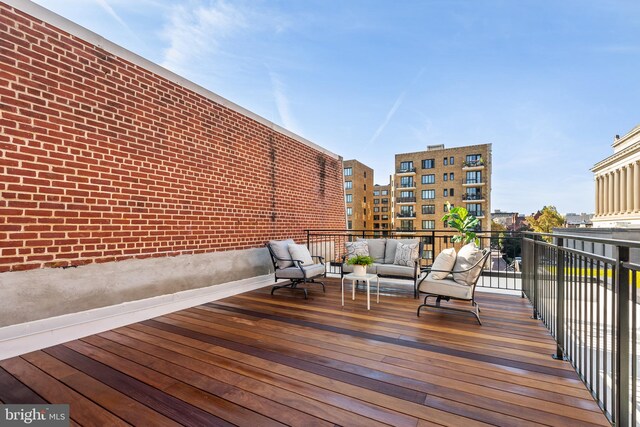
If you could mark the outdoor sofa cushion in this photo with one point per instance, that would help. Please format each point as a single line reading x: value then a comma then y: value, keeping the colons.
x: 395, y: 270
x: 376, y: 248
x: 295, y: 272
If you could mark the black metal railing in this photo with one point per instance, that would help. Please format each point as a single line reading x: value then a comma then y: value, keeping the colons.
x: 472, y: 181
x: 503, y: 271
x: 585, y: 290
x: 472, y: 197
x: 472, y: 164
x: 406, y: 215
x: 476, y: 213
x: 405, y: 199
x: 405, y: 170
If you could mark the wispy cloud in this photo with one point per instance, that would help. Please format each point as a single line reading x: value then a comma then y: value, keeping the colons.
x: 395, y: 107
x: 196, y: 32
x: 282, y: 103
x: 388, y: 117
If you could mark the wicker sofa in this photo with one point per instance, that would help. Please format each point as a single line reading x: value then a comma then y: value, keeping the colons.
x: 386, y: 264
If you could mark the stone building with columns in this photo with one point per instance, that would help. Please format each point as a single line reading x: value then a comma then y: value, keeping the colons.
x: 617, y: 184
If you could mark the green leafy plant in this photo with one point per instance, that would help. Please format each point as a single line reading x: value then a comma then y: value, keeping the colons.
x: 360, y: 260
x: 460, y: 219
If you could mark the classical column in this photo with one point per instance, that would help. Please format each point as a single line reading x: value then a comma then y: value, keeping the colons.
x: 636, y: 187
x: 597, y: 185
x: 622, y: 191
x: 600, y: 195
x: 612, y: 192
x: 605, y: 199
x: 616, y: 191
x: 630, y: 189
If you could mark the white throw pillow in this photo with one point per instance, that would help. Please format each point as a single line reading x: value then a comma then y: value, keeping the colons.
x: 445, y: 262
x: 406, y: 254
x: 300, y: 252
x: 356, y: 248
x: 467, y: 257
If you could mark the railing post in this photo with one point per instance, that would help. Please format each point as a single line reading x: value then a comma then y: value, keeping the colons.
x: 559, y: 301
x: 533, y: 285
x: 622, y: 338
x: 308, y: 240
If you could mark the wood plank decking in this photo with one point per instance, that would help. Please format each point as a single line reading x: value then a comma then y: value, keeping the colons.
x: 260, y: 360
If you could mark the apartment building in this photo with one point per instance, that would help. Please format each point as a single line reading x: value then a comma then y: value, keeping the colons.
x: 358, y: 193
x: 383, y: 215
x: 426, y: 180
x: 617, y: 182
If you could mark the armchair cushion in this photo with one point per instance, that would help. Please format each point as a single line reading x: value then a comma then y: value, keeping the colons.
x: 356, y: 248
x: 390, y: 248
x: 446, y: 287
x: 313, y: 270
x: 300, y: 252
x: 443, y: 262
x: 376, y: 248
x: 280, y: 249
x: 467, y: 257
x: 406, y: 254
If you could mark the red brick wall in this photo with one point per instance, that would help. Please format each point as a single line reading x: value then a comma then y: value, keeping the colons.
x: 102, y: 160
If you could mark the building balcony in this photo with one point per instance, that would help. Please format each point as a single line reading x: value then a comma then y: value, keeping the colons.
x: 475, y: 165
x: 473, y: 197
x: 406, y: 215
x: 405, y: 171
x: 473, y: 183
x: 406, y: 186
x: 405, y: 200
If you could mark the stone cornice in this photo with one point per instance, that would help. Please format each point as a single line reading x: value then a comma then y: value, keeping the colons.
x: 615, y: 157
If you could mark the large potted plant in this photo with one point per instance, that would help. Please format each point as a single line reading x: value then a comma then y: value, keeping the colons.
x: 360, y: 263
x: 459, y: 218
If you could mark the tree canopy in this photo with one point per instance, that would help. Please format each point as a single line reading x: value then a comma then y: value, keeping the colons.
x: 545, y: 220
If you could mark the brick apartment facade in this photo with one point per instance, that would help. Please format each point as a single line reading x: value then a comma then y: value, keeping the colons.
x: 425, y: 181
x: 383, y: 196
x: 358, y: 189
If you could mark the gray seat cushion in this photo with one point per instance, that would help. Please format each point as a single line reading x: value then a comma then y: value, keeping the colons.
x: 376, y: 248
x: 390, y: 248
x: 280, y: 249
x: 371, y: 269
x: 446, y: 287
x: 311, y: 271
x: 395, y: 270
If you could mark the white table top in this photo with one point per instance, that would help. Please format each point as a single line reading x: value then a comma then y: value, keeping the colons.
x: 365, y: 277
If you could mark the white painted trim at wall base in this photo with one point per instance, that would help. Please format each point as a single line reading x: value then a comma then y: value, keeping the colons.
x: 30, y: 336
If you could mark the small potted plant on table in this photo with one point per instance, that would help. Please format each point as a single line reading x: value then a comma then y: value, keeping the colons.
x: 360, y: 263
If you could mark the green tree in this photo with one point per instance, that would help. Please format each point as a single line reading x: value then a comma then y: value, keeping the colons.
x: 545, y: 220
x: 497, y: 234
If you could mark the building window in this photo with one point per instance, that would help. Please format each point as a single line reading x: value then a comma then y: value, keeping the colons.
x: 428, y: 254
x: 365, y: 174
x: 365, y: 212
x: 406, y: 225
x: 385, y: 201
x: 406, y: 181
x: 376, y: 226
x: 349, y: 211
x: 385, y: 192
x: 428, y: 179
x: 349, y: 198
x: 406, y: 166
x: 385, y: 209
x: 376, y: 209
x: 473, y: 159
x: 428, y: 224
x: 474, y: 177
x: 349, y: 225
x: 474, y: 209
x: 376, y: 217
x: 445, y: 161
x: 445, y: 193
x: 385, y: 217
x: 348, y: 185
x: 446, y: 209
x: 451, y: 176
x: 428, y: 194
x: 428, y: 164
x: 445, y: 176
x: 348, y: 171
x: 451, y: 194
x: 376, y: 192
x: 428, y: 209
x: 450, y: 160
x: 376, y: 201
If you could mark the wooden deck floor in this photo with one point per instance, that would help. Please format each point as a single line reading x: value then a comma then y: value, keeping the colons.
x: 261, y: 360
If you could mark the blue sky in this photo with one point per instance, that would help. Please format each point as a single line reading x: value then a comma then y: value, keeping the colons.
x: 548, y: 83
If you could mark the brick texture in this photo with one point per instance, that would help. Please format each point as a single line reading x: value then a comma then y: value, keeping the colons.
x: 102, y: 160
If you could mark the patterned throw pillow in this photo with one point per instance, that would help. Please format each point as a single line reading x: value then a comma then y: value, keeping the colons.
x: 406, y: 254
x: 354, y: 249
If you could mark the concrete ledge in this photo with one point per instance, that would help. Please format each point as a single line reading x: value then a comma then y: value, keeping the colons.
x: 26, y: 337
